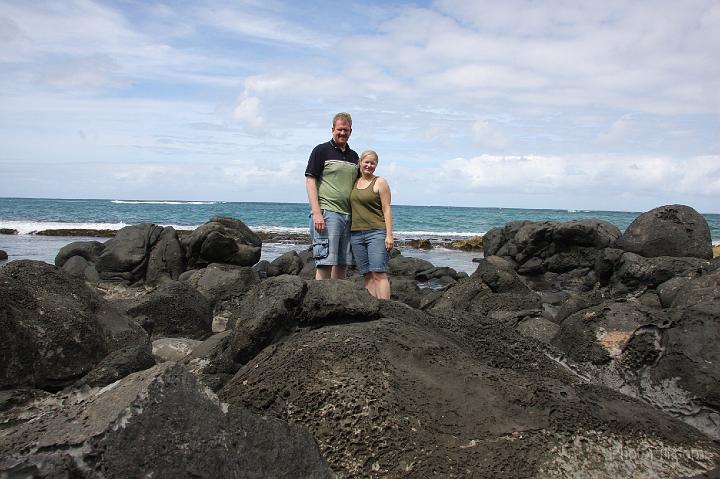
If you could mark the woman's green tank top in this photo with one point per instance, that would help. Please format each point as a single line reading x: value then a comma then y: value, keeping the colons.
x: 367, y: 211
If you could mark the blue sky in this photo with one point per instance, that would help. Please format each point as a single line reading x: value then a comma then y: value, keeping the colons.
x: 554, y: 104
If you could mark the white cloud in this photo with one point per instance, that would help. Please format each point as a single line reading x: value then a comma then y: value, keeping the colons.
x: 247, y: 112
x: 487, y: 135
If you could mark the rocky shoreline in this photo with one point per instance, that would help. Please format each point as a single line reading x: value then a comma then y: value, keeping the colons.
x: 574, y: 350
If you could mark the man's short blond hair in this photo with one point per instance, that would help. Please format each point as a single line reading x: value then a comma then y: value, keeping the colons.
x: 342, y: 116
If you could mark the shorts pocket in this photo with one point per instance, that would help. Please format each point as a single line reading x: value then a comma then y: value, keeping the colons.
x: 321, y: 248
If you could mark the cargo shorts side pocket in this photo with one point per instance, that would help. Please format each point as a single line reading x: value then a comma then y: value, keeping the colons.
x: 321, y: 248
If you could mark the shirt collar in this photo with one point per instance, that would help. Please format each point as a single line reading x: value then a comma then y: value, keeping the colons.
x: 334, y: 145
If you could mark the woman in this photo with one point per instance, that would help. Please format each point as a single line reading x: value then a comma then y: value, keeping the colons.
x: 371, y: 230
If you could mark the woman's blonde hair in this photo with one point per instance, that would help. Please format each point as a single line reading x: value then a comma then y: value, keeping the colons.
x: 368, y: 153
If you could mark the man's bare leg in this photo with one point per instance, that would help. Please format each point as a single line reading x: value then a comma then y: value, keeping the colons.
x: 323, y: 272
x: 339, y: 271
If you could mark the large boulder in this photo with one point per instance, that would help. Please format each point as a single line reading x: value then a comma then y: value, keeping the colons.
x: 219, y: 281
x: 635, y: 271
x: 141, y: 252
x: 80, y: 268
x: 412, y: 395
x: 494, y: 286
x: 407, y: 266
x: 222, y: 240
x: 667, y: 357
x: 55, y: 328
x: 3, y: 255
x: 125, y: 256
x: 536, y: 248
x: 336, y: 301
x: 288, y: 263
x: 673, y: 230
x: 166, y: 260
x: 174, y: 309
x: 89, y: 250
x: 119, y: 364
x: 156, y: 423
x: 268, y: 312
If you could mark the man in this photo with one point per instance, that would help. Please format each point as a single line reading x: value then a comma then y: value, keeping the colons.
x: 329, y: 179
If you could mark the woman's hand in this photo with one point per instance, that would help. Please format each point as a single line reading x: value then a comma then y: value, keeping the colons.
x: 389, y: 242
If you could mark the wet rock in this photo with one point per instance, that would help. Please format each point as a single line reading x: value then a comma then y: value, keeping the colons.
x: 175, y: 309
x: 8, y: 231
x: 288, y: 263
x: 419, y: 244
x: 673, y: 230
x: 55, y: 328
x: 3, y: 255
x: 220, y: 281
x: 222, y: 240
x: 89, y: 250
x: 119, y: 364
x: 435, y: 273
x: 155, y: 423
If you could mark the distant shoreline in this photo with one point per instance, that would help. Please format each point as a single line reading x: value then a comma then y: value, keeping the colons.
x: 469, y: 244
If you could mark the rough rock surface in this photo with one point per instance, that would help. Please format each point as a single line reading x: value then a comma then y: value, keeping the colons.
x: 336, y: 301
x: 288, y: 263
x: 635, y: 271
x: 268, y: 312
x: 494, y: 286
x: 174, y: 309
x: 119, y: 364
x: 220, y: 281
x: 411, y: 395
x: 55, y: 328
x: 222, y: 240
x: 551, y: 247
x: 147, y: 425
x: 673, y: 230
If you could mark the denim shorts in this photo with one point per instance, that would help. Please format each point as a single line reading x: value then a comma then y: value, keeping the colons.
x: 332, y: 245
x: 369, y: 250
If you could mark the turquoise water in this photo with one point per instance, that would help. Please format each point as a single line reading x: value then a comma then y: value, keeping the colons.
x: 31, y: 214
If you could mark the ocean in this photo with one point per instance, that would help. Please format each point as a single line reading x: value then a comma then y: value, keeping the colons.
x: 437, y: 223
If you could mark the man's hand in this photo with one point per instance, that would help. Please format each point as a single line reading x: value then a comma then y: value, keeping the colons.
x: 389, y: 242
x: 318, y: 221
